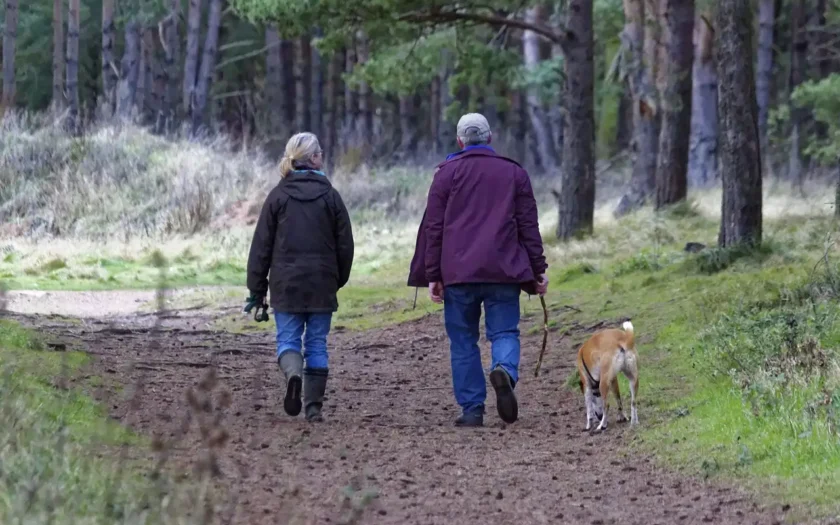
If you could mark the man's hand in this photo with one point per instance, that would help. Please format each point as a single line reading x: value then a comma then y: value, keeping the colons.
x: 252, y: 301
x: 542, y: 285
x: 436, y: 292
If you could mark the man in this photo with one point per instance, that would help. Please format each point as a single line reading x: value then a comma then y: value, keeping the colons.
x: 479, y: 243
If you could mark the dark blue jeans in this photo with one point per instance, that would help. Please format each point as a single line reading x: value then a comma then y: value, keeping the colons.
x: 462, y: 314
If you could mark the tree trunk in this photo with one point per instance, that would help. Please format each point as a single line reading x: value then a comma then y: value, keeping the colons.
x: 798, y: 65
x: 72, y: 63
x: 303, y: 83
x: 543, y: 140
x: 764, y: 81
x: 208, y: 64
x: 109, y: 64
x: 274, y: 84
x: 641, y: 40
x: 191, y: 58
x: 9, y: 45
x: 740, y: 150
x: 331, y: 116
x: 446, y: 130
x: 408, y: 127
x: 145, y: 90
x: 316, y: 118
x: 576, y: 201
x: 702, y: 156
x: 351, y: 99
x: 435, y: 112
x: 168, y: 33
x: 672, y: 165
x: 365, y: 122
x: 837, y: 194
x: 59, y: 64
x: 624, y: 126
x: 555, y: 113
x: 129, y: 70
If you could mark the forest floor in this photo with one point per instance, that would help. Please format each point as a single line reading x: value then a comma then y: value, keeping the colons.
x: 388, y: 451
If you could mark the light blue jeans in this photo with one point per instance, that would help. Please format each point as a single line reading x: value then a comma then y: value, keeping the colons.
x: 461, y: 314
x: 291, y: 338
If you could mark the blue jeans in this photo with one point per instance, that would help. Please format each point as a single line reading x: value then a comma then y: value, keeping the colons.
x: 461, y: 314
x: 290, y: 330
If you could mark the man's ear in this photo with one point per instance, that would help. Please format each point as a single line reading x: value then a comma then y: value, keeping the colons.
x: 460, y: 142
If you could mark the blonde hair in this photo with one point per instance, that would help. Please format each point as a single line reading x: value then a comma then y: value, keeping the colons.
x: 300, y: 148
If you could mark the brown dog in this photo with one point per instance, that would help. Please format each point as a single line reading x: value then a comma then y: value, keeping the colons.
x: 599, y: 362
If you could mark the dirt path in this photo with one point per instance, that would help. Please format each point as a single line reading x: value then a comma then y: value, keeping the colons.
x: 389, y: 433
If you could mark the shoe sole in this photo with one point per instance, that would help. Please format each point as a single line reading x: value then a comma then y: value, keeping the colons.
x: 291, y: 403
x: 506, y: 403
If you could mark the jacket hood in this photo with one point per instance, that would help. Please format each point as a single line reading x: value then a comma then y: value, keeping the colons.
x: 307, y: 186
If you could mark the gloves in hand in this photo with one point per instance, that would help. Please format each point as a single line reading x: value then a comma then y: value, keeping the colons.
x: 261, y: 315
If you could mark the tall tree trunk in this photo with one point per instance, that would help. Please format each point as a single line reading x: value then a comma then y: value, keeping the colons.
x: 191, y: 58
x: 145, y: 85
x: 543, y: 140
x: 672, y: 165
x: 316, y: 119
x: 435, y: 112
x: 129, y: 70
x: 72, y: 63
x: 365, y: 122
x: 59, y: 64
x: 702, y: 157
x: 576, y: 201
x: 274, y: 83
x: 641, y: 38
x: 740, y: 150
x: 208, y: 64
x: 9, y: 45
x: 351, y: 99
x: 408, y: 126
x: 555, y: 113
x: 798, y: 66
x: 331, y: 116
x: 109, y: 64
x: 289, y: 85
x: 168, y: 32
x: 303, y: 83
x: 764, y: 81
x: 624, y: 126
x: 446, y: 130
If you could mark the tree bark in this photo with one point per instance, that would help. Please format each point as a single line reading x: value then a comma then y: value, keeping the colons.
x: 168, y: 33
x: 764, y: 81
x: 72, y: 63
x: 59, y: 62
x: 303, y: 83
x: 435, y: 112
x: 208, y: 64
x: 191, y: 58
x: 702, y: 157
x: 109, y: 63
x: 555, y: 112
x: 576, y: 201
x: 365, y: 122
x: 9, y: 47
x: 274, y: 83
x: 408, y: 126
x: 351, y: 99
x: 129, y: 70
x: 624, y: 126
x: 798, y: 66
x: 740, y: 150
x: 672, y: 164
x: 333, y: 97
x: 316, y: 119
x: 641, y: 38
x: 543, y: 140
x: 146, y: 105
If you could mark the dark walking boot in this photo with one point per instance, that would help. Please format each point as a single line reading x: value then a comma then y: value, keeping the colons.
x: 473, y: 418
x: 314, y: 386
x: 291, y: 363
x: 506, y: 403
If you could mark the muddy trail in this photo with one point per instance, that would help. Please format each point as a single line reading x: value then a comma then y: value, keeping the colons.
x: 388, y: 452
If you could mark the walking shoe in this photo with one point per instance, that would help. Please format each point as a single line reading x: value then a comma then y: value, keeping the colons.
x: 470, y: 419
x: 291, y: 363
x: 314, y: 386
x: 506, y: 403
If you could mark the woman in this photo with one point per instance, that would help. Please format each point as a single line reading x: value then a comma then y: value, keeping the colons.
x: 302, y: 252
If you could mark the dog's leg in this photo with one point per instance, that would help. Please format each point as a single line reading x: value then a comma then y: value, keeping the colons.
x: 634, y: 388
x: 622, y: 417
x: 605, y: 390
x: 587, y: 397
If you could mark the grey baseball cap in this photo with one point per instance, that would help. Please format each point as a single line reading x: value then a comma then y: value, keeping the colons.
x: 473, y: 126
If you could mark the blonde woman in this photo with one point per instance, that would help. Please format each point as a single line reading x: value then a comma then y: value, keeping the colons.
x: 302, y: 253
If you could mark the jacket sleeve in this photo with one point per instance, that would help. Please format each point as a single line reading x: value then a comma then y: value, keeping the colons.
x: 435, y: 214
x: 343, y: 240
x: 262, y: 246
x: 527, y: 221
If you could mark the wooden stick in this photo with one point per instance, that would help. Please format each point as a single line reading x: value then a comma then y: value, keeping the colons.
x: 545, y: 335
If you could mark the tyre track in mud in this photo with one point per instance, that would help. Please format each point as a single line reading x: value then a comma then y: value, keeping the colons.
x: 388, y: 440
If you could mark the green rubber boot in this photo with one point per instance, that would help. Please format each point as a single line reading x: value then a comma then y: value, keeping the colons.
x: 314, y: 386
x: 291, y: 363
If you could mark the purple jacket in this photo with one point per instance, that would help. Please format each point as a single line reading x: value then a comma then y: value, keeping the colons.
x: 480, y: 225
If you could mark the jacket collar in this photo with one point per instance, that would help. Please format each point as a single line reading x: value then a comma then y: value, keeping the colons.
x: 472, y: 149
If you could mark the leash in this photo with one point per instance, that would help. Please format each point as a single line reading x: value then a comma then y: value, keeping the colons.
x: 545, y: 335
x: 593, y: 385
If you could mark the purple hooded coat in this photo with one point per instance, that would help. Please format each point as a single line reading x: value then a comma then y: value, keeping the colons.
x: 480, y: 225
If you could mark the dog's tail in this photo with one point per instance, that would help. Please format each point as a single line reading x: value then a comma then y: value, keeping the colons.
x: 628, y: 328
